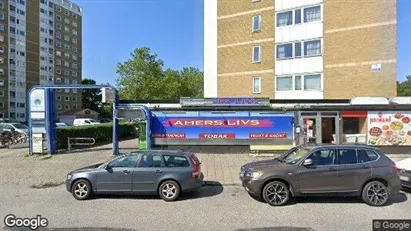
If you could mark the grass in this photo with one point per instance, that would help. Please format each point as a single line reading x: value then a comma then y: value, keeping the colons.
x: 47, y: 185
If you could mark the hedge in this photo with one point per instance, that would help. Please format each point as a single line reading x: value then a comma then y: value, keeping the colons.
x: 101, y: 132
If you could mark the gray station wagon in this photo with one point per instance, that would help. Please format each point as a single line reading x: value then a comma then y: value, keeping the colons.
x: 166, y: 173
x: 308, y: 170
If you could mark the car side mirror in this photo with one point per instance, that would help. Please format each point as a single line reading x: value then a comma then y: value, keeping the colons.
x: 107, y: 167
x: 308, y: 162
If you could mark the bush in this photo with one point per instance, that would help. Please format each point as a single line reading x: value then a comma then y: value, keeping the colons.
x: 101, y: 133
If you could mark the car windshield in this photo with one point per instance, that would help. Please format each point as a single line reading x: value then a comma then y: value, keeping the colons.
x: 295, y: 156
x: 20, y: 126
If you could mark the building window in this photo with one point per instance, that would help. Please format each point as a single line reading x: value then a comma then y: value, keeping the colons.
x: 256, y: 54
x: 58, y: 17
x: 312, y: 14
x: 297, y: 49
x: 67, y: 38
x: 351, y: 126
x: 284, y: 83
x: 1, y: 5
x: 312, y: 82
x: 256, y: 85
x: 66, y: 98
x: 297, y: 83
x: 1, y: 38
x: 1, y: 49
x: 58, y: 8
x: 66, y: 64
x: 59, y: 98
x: 75, y: 49
x: 297, y: 17
x: 312, y: 48
x: 66, y: 72
x: 1, y: 93
x: 74, y: 40
x: 58, y: 62
x: 1, y: 16
x: 58, y: 44
x: 67, y: 107
x: 59, y: 107
x: 66, y: 46
x: 74, y: 74
x: 66, y: 55
x: 257, y: 23
x: 58, y: 35
x: 74, y: 32
x: 285, y: 51
x: 74, y: 99
x: 284, y: 19
x: 66, y: 12
x: 75, y: 24
x: 1, y: 104
x: 67, y: 21
x: 58, y: 25
x: 58, y: 53
x: 1, y: 82
x: 58, y: 71
x: 1, y: 60
x: 66, y: 29
x: 74, y: 65
x: 74, y: 57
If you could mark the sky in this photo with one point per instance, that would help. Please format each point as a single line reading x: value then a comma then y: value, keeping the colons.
x: 173, y: 29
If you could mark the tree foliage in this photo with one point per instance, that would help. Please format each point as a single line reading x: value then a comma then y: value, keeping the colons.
x: 90, y: 98
x: 142, y: 77
x: 404, y: 88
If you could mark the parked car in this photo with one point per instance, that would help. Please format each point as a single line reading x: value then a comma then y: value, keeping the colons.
x: 86, y: 121
x: 321, y: 170
x: 166, y: 173
x: 61, y: 125
x: 18, y: 127
x: 404, y: 167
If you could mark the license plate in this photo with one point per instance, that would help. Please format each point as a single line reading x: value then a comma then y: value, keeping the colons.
x: 404, y: 178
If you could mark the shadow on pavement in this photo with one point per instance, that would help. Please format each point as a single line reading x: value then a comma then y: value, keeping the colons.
x: 277, y: 229
x: 209, y: 189
x: 399, y: 198
x: 75, y: 229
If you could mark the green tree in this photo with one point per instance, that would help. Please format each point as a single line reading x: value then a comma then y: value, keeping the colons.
x: 142, y: 77
x: 404, y: 88
x: 90, y: 98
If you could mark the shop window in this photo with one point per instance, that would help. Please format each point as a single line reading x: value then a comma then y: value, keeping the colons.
x: 351, y: 126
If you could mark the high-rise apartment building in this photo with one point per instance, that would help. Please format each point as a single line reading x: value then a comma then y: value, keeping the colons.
x: 40, y: 43
x: 300, y: 49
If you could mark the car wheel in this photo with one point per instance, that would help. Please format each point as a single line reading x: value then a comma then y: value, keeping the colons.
x: 276, y: 193
x: 375, y: 193
x: 169, y: 190
x: 81, y: 189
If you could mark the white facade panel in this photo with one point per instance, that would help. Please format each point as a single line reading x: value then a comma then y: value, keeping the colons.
x: 299, y: 66
x: 305, y: 31
x: 210, y: 48
x: 289, y: 4
x: 299, y: 95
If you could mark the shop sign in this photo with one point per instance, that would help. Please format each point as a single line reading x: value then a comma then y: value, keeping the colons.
x: 389, y: 128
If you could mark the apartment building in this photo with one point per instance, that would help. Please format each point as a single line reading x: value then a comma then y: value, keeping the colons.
x: 300, y: 49
x: 40, y: 43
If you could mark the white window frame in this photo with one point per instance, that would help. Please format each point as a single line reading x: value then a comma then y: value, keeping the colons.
x: 259, y: 23
x: 259, y: 54
x: 253, y: 85
x: 302, y: 82
x: 284, y: 76
x: 302, y: 15
x: 67, y: 98
x: 311, y: 40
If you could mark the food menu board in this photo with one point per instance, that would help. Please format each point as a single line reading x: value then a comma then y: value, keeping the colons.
x: 389, y: 128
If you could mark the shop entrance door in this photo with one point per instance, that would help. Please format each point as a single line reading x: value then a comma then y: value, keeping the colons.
x: 319, y: 127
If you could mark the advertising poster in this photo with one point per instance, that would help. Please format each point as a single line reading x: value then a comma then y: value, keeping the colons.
x: 389, y: 128
x: 226, y: 130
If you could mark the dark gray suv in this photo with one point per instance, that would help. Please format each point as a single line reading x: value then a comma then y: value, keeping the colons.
x: 166, y: 173
x: 345, y: 170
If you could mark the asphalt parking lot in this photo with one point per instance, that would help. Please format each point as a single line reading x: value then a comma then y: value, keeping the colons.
x: 220, y: 206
